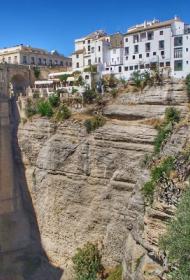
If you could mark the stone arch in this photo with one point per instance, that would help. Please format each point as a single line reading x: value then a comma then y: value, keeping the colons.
x: 18, y: 84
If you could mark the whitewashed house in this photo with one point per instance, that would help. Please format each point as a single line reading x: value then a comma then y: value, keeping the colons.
x: 162, y: 44
x: 165, y: 45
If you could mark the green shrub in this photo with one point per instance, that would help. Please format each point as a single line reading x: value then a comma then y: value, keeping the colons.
x: 36, y: 72
x: 116, y: 274
x: 54, y: 100
x: 157, y: 173
x: 30, y: 108
x: 89, y: 96
x: 44, y: 108
x: 114, y: 93
x: 188, y: 86
x: 94, y: 123
x: 63, y: 113
x: 176, y: 242
x: 172, y: 115
x: 87, y: 263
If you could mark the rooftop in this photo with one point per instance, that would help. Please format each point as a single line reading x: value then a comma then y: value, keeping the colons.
x: 149, y: 25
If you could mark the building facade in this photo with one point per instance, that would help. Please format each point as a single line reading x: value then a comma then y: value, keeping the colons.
x: 165, y: 45
x: 27, y: 55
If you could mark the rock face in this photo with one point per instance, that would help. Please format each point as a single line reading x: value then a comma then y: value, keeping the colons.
x: 86, y: 187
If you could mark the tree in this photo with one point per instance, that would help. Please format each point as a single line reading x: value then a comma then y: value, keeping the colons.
x: 36, y: 72
x: 87, y: 262
x: 176, y: 243
x: 44, y: 108
x: 63, y: 78
x: 54, y: 100
x: 137, y: 78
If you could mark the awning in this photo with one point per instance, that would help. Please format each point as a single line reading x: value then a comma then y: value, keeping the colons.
x: 43, y: 82
x: 70, y: 79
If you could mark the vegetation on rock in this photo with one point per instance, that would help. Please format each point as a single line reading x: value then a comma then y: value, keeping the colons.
x: 94, y: 123
x: 172, y: 116
x: 87, y: 263
x: 158, y: 173
x: 176, y: 243
x: 62, y: 113
x: 188, y: 86
x: 116, y: 274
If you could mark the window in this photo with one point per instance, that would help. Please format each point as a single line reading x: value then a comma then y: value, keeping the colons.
x: 187, y: 49
x: 56, y: 62
x: 126, y: 40
x: 178, y: 41
x: 66, y: 63
x: 161, y: 32
x: 77, y: 65
x: 120, y: 69
x: 161, y: 64
x: 99, y: 59
x: 32, y: 60
x: 9, y: 59
x: 45, y: 61
x: 161, y: 44
x: 126, y: 50
x: 136, y: 49
x: 178, y: 53
x: 147, y: 47
x: 147, y: 66
x: 77, y: 56
x: 154, y: 53
x: 61, y: 63
x: 150, y: 35
x: 92, y: 50
x: 89, y: 62
x: 133, y: 56
x: 162, y: 53
x: 83, y: 42
x: 136, y: 67
x: 50, y: 62
x: 88, y: 41
x: 88, y: 48
x: 187, y: 62
x: 178, y: 65
x: 143, y: 36
x: 99, y: 48
x: 24, y: 60
x: 168, y: 64
x: 87, y: 77
x: 126, y: 68
x: 142, y: 66
x: 39, y: 61
x: 135, y: 38
x: 15, y: 59
x: 140, y: 55
x: 127, y: 58
x: 131, y: 68
x: 147, y: 55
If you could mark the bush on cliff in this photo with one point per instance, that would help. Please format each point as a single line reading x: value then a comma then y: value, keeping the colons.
x: 116, y: 274
x: 44, y: 108
x: 54, y: 100
x: 157, y: 174
x: 188, y: 86
x: 87, y: 263
x: 172, y: 116
x: 176, y: 243
x: 62, y: 113
x: 94, y: 123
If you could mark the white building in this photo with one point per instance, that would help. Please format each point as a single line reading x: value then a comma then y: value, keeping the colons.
x: 91, y: 50
x: 162, y: 44
x: 165, y: 45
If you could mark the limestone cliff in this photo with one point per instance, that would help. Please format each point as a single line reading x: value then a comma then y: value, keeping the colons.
x: 87, y: 187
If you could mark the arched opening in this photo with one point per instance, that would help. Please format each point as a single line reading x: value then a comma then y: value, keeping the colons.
x: 18, y: 85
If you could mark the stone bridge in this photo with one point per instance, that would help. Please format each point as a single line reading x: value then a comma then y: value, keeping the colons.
x: 15, y: 78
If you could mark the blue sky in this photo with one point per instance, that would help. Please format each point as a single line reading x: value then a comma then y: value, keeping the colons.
x: 54, y: 24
